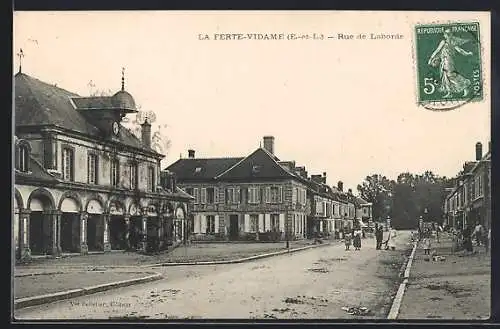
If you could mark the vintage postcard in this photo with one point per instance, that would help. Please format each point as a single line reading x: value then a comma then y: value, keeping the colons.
x: 174, y: 165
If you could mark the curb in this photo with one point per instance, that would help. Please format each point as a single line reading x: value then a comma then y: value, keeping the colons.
x: 396, y: 303
x: 240, y: 260
x: 21, y: 275
x: 49, y: 298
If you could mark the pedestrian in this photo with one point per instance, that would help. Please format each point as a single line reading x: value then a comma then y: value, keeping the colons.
x: 347, y: 240
x: 426, y: 242
x: 391, y: 240
x: 478, y: 233
x: 467, y: 237
x: 379, y: 234
x: 357, y: 240
x: 488, y: 240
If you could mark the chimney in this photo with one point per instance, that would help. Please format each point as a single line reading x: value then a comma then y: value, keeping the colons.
x: 324, y: 177
x: 146, y: 133
x: 340, y: 186
x: 479, y: 151
x: 191, y: 154
x: 269, y: 144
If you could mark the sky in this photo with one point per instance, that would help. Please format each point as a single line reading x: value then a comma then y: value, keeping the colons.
x: 344, y: 107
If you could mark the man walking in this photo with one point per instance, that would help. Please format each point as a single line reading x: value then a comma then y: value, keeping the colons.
x: 478, y: 233
x: 378, y: 236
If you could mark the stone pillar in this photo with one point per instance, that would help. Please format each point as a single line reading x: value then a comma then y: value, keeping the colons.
x: 127, y: 231
x: 24, y: 231
x: 55, y: 238
x: 144, y: 230
x: 183, y: 229
x: 106, y: 243
x: 84, y: 249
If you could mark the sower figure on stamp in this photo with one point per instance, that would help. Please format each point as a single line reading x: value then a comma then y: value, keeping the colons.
x: 451, y: 80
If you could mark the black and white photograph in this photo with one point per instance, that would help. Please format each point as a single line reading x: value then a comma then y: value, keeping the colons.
x: 251, y: 165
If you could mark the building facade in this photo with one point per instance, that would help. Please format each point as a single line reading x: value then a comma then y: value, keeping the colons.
x: 260, y: 198
x: 83, y: 182
x: 257, y: 197
x: 469, y: 201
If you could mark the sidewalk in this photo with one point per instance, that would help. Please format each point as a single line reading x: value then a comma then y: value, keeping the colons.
x: 456, y: 288
x: 199, y: 252
x: 51, y: 282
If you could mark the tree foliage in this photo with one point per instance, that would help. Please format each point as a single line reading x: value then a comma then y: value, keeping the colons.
x: 407, y: 198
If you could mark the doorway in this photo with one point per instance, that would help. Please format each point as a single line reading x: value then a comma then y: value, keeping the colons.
x: 117, y: 232
x: 93, y: 241
x: 37, y: 236
x: 233, y: 227
x: 70, y: 232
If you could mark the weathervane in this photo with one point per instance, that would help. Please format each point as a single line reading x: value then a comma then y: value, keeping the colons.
x: 20, y: 54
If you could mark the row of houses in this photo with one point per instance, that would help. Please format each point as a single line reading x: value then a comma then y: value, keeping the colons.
x: 469, y: 201
x: 260, y: 197
x: 84, y: 183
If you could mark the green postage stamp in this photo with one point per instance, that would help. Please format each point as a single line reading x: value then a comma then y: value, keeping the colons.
x: 449, y: 72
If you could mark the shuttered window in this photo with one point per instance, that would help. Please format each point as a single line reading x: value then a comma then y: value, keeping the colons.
x: 67, y: 164
x: 92, y: 169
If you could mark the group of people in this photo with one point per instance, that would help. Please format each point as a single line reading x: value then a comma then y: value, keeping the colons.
x: 379, y: 237
x: 477, y: 233
x: 354, y: 237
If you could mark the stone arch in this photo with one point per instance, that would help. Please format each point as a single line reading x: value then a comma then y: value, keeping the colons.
x: 115, y: 201
x: 70, y: 195
x: 45, y: 195
x: 134, y: 209
x: 98, y: 199
x: 153, y: 205
x: 25, y: 143
x: 19, y: 199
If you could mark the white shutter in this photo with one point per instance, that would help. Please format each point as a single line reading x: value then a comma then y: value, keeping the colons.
x: 246, y: 223
x: 238, y: 194
x: 195, y: 194
x: 216, y: 195
x: 216, y: 223
x: 267, y: 222
x: 268, y: 194
x: 280, y: 195
x: 261, y: 223
x: 197, y: 223
x: 282, y: 222
x: 203, y: 195
x: 203, y: 221
x: 257, y: 195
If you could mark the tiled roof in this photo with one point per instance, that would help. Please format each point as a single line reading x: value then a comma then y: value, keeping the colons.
x: 97, y: 102
x: 37, y: 173
x: 186, y: 169
x: 258, y: 165
x: 39, y: 103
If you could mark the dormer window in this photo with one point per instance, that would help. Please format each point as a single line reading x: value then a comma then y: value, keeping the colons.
x: 24, y: 155
x: 197, y: 170
x: 255, y: 169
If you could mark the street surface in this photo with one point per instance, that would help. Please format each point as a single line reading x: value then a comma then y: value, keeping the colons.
x: 309, y: 284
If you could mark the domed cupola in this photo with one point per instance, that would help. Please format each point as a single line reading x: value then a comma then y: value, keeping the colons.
x: 122, y: 99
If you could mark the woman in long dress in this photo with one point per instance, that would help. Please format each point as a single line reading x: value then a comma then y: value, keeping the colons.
x: 451, y: 80
x: 391, y: 243
x: 357, y: 240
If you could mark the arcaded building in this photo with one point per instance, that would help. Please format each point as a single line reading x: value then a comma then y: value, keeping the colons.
x: 83, y: 182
